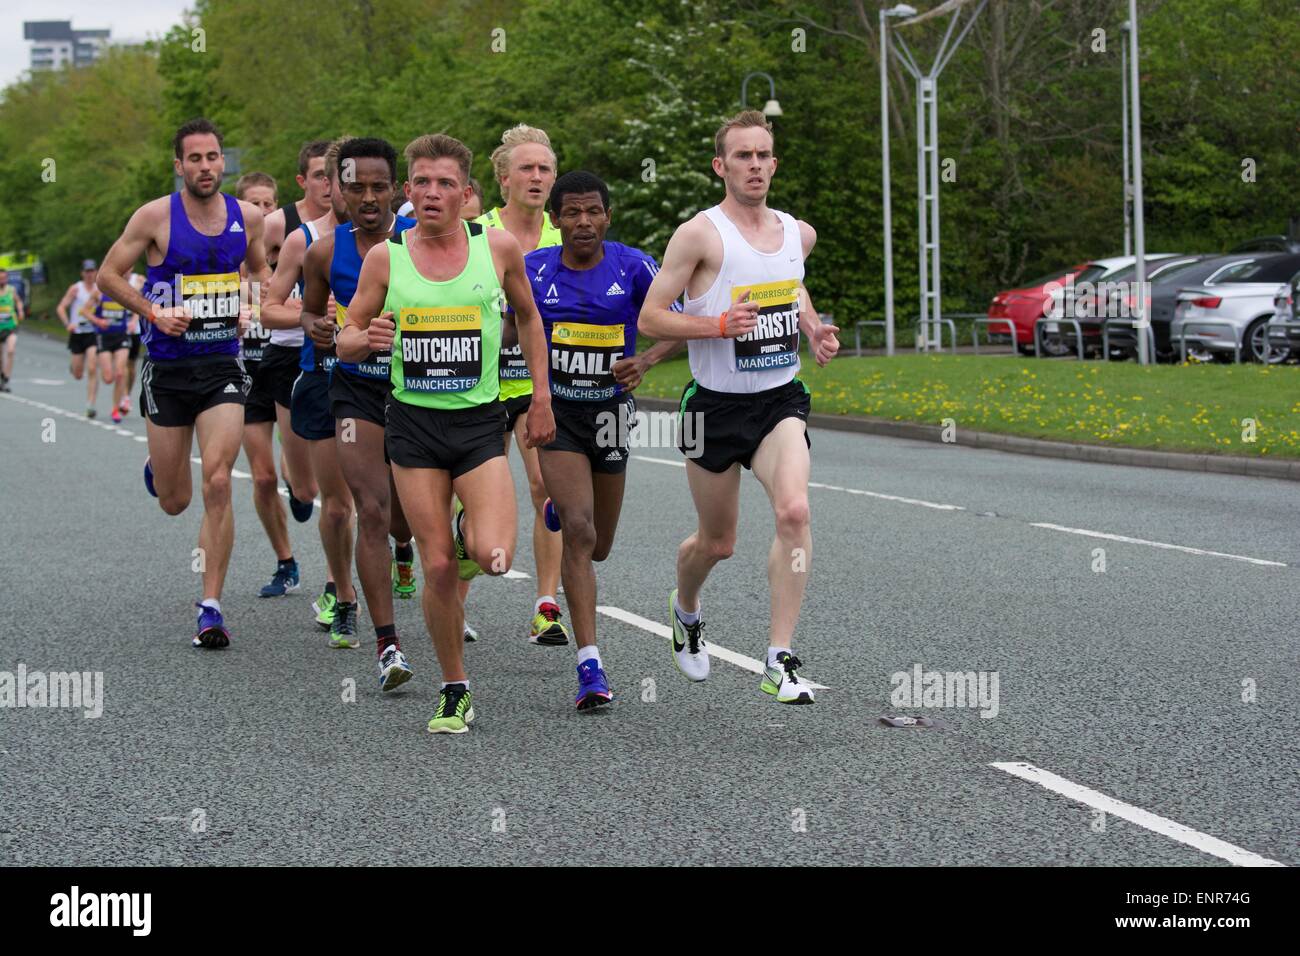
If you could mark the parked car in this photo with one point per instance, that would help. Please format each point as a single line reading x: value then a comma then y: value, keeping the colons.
x: 1026, y: 304
x: 1269, y: 244
x: 1280, y: 337
x: 1079, y: 301
x: 1241, y: 295
x: 1116, y: 298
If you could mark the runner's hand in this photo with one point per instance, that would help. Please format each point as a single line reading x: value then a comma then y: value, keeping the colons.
x: 825, y: 343
x: 322, y: 333
x: 379, y: 334
x: 171, y: 321
x: 245, y: 319
x: 540, y: 425
x: 742, y: 318
x: 331, y: 310
x: 629, y: 371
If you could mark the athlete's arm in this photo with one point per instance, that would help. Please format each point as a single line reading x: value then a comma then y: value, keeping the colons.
x: 255, y: 256
x: 278, y: 310
x: 18, y: 308
x: 88, y: 310
x: 62, y: 308
x: 532, y: 335
x: 316, y: 292
x: 685, y: 252
x: 823, y: 342
x: 365, y: 330
x: 629, y: 371
x: 273, y: 235
x: 171, y: 319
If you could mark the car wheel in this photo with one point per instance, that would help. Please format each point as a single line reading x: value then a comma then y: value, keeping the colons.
x: 1257, y: 336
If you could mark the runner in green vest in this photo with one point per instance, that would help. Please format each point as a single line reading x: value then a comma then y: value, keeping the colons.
x: 11, y: 313
x: 434, y: 296
x: 525, y: 168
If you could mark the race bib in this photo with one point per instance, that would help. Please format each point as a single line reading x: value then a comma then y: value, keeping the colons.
x: 213, y: 302
x: 442, y: 348
x: 774, y: 343
x: 582, y: 360
x: 511, y: 364
x: 374, y: 365
x: 254, y: 342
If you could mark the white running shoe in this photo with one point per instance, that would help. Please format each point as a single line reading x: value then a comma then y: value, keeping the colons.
x: 781, y: 681
x: 394, y: 671
x: 471, y: 635
x: 689, y: 649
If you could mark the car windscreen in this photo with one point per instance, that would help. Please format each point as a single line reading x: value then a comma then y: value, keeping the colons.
x: 1279, y: 269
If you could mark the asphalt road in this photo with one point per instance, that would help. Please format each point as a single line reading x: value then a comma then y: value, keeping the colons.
x: 1125, y: 684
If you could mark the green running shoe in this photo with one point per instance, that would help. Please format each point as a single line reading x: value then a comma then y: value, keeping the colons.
x: 325, y: 606
x: 455, y: 711
x: 468, y: 569
x: 403, y: 579
x: 343, y: 632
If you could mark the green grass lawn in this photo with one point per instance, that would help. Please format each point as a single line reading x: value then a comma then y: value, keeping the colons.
x: 1196, y: 408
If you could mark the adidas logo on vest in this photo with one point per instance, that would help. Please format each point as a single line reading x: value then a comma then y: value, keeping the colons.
x: 236, y: 227
x: 615, y: 289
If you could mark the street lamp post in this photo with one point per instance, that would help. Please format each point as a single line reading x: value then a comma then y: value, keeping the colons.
x: 1128, y: 188
x: 1139, y: 231
x: 771, y: 107
x: 901, y: 10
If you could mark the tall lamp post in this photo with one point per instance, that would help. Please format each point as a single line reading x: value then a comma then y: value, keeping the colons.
x: 901, y: 10
x: 1139, y: 226
x: 1128, y: 186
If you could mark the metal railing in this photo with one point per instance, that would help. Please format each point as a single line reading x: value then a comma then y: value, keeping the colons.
x: 922, y: 329
x: 975, y: 331
x: 857, y: 333
x: 1285, y: 339
x: 1038, y: 323
x: 1204, y: 323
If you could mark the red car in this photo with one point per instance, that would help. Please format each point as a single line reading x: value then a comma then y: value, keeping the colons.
x: 1026, y: 305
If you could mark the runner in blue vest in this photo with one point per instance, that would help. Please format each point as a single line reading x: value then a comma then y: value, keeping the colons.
x: 193, y: 381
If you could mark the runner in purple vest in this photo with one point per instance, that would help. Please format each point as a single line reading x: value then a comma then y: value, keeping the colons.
x: 193, y: 380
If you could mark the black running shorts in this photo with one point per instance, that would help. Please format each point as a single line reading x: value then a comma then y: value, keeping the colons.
x: 727, y: 427
x: 260, y: 406
x: 309, y: 410
x: 279, y: 368
x: 355, y: 396
x: 176, y: 393
x: 598, y: 430
x: 451, y: 440
x: 79, y: 342
x: 514, y: 408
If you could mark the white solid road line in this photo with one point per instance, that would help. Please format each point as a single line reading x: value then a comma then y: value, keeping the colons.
x: 1260, y: 562
x: 715, y: 650
x: 816, y: 484
x: 1150, y: 821
x: 1158, y: 544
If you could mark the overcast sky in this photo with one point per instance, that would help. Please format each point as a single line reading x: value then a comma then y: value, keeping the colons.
x: 128, y: 19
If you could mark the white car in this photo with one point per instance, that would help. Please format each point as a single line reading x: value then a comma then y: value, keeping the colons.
x: 1229, y: 314
x: 1077, y: 298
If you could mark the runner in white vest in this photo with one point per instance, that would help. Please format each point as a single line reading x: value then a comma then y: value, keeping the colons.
x: 741, y: 267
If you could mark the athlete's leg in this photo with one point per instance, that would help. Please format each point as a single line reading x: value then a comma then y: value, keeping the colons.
x: 169, y: 456
x: 11, y: 348
x: 367, y: 477
x: 717, y: 504
x: 426, y: 498
x: 335, y: 515
x: 782, y: 465
x: 548, y: 547
x: 489, y: 525
x: 258, y: 446
x: 77, y: 365
x: 92, y: 380
x: 296, y: 466
x: 219, y: 430
x: 106, y: 367
x: 398, y: 526
x: 120, y: 388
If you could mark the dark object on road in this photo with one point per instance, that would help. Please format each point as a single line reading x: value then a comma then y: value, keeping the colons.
x: 921, y: 723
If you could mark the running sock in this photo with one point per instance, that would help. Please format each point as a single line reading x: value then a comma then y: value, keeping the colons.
x: 387, y: 635
x: 686, y: 617
x: 212, y: 603
x: 462, y: 683
x: 772, y: 652
x: 589, y: 654
x: 330, y: 589
x: 404, y: 553
x: 545, y: 599
x: 287, y: 564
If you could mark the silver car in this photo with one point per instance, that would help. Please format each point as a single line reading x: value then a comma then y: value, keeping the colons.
x: 1229, y: 314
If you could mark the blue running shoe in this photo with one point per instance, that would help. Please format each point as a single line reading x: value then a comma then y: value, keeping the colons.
x: 212, y: 632
x: 593, y: 688
x: 550, y: 516
x: 148, y: 478
x: 301, y: 510
x: 283, y: 581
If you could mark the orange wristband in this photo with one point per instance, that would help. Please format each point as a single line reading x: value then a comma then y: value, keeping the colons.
x: 722, y: 326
